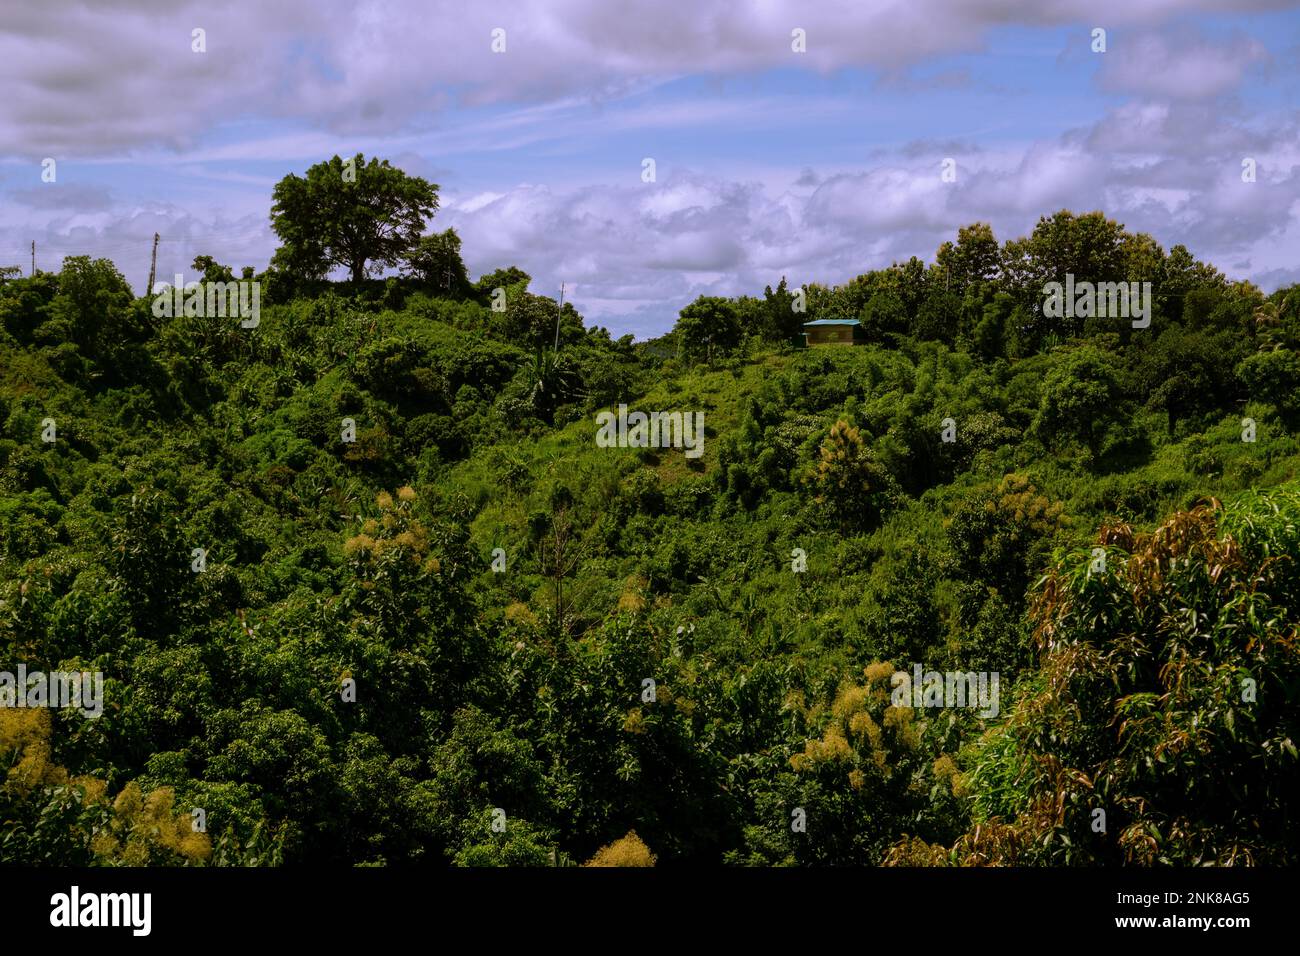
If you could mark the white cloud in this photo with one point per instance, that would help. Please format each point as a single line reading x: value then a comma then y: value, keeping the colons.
x: 1179, y: 65
x: 91, y: 79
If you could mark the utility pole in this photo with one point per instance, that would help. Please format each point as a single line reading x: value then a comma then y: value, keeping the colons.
x: 153, y: 266
x: 33, y: 257
x: 557, y: 318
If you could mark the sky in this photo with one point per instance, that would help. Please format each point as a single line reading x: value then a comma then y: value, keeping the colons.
x: 816, y: 165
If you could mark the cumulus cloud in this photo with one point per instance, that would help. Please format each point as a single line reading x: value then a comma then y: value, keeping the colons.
x: 638, y: 253
x: 634, y: 254
x: 87, y: 79
x: 124, y: 234
x: 1180, y: 65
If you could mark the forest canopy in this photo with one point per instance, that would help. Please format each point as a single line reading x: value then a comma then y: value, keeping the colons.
x: 364, y: 589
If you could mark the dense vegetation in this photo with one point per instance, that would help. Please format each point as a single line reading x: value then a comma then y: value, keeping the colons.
x: 1099, y: 533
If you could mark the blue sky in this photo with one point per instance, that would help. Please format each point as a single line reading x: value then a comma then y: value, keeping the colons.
x: 817, y: 166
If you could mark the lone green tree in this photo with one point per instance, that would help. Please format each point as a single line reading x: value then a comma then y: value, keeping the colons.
x: 708, y: 327
x: 360, y: 215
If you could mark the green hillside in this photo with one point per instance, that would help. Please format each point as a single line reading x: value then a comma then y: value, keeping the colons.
x: 699, y: 651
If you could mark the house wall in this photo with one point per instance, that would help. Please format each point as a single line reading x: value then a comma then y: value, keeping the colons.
x: 830, y: 335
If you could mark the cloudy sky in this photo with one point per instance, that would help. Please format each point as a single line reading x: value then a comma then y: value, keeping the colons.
x: 816, y: 165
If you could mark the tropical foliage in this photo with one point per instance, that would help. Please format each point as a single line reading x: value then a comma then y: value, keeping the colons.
x: 435, y: 623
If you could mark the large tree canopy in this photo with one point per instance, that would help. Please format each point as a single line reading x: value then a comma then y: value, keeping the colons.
x: 360, y: 215
x: 708, y: 326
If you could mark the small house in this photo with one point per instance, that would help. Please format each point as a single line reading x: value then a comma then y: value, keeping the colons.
x: 834, y: 332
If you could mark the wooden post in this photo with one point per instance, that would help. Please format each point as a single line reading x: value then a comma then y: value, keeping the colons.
x: 557, y: 318
x: 153, y: 266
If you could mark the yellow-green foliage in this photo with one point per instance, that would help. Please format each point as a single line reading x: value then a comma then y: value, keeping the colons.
x: 1023, y: 509
x: 628, y: 851
x: 26, y: 735
x: 842, y: 466
x: 864, y: 730
x: 145, y: 829
x: 395, y: 529
x: 139, y: 829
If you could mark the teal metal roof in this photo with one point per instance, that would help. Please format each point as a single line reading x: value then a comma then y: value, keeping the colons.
x: 831, y: 322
